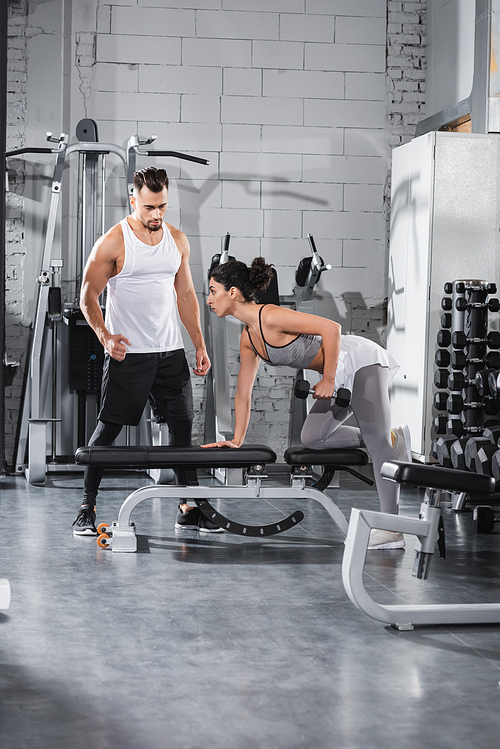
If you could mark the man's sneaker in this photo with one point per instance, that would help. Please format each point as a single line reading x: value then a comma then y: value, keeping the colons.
x: 84, y: 524
x: 195, y: 520
x: 188, y: 521
x: 385, y: 540
x: 402, y: 443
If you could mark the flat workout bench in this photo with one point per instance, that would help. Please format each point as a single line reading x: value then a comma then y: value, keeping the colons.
x: 429, y: 529
x: 253, y: 458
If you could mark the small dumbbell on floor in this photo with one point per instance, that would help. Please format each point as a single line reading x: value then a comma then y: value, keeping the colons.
x: 484, y: 518
x: 342, y: 395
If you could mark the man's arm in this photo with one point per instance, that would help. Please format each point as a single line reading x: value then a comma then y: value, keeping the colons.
x: 99, y: 268
x: 187, y: 302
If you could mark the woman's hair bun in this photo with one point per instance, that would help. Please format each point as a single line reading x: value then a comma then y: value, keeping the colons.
x: 260, y: 274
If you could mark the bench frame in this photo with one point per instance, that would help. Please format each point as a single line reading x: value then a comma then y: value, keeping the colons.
x: 427, y: 530
x: 121, y: 535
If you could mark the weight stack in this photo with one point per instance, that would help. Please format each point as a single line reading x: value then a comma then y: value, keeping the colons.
x: 464, y: 359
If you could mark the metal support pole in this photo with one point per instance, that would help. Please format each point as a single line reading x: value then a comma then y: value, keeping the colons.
x: 3, y: 131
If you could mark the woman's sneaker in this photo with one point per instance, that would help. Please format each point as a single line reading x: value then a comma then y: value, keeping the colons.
x: 84, y: 524
x: 195, y: 520
x: 402, y: 443
x: 385, y: 540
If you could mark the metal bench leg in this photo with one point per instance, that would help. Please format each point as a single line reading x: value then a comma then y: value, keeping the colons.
x: 401, y: 616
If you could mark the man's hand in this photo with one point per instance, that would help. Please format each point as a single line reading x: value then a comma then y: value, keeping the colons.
x: 202, y: 362
x: 115, y: 346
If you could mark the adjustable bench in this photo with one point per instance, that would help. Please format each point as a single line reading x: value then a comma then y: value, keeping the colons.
x: 429, y: 530
x: 252, y: 458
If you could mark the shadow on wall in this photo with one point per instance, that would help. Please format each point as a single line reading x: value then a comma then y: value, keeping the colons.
x: 352, y: 313
x: 351, y: 310
x: 404, y: 205
x: 210, y: 185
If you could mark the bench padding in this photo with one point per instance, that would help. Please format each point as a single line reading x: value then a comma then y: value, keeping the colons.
x: 435, y: 477
x: 175, y: 457
x: 301, y: 456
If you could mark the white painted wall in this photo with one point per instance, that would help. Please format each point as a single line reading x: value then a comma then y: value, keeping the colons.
x: 289, y: 101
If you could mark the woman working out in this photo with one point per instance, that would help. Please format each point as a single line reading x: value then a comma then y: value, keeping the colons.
x: 284, y: 337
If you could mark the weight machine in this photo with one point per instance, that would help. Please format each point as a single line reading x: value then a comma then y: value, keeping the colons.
x: 65, y: 357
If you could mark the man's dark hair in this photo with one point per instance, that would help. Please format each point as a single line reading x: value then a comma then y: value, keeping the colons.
x: 152, y: 178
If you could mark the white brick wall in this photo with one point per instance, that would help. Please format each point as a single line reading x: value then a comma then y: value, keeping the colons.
x: 296, y: 108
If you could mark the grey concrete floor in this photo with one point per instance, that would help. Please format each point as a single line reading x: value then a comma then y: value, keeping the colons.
x: 233, y: 643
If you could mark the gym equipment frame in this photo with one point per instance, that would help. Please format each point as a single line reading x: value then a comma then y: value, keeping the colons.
x: 429, y: 529
x: 121, y: 535
x: 44, y: 393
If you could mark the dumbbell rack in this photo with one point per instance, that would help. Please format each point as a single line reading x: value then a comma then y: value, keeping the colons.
x: 466, y: 405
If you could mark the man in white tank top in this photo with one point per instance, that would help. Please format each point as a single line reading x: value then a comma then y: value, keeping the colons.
x: 144, y: 263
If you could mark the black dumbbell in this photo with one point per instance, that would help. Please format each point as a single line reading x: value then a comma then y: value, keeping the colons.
x: 457, y: 454
x: 494, y: 305
x: 484, y: 518
x: 493, y: 382
x: 492, y: 432
x: 441, y: 378
x: 442, y: 357
x: 454, y: 426
x: 442, y: 449
x: 491, y: 406
x: 484, y: 457
x: 472, y: 447
x: 457, y: 359
x: 462, y: 304
x: 495, y: 465
x: 482, y: 381
x: 303, y: 389
x: 458, y: 339
x: 493, y: 339
x: 444, y: 338
x: 446, y: 320
x: 456, y: 380
x: 439, y: 424
x: 439, y: 401
x: 454, y: 403
x: 493, y: 359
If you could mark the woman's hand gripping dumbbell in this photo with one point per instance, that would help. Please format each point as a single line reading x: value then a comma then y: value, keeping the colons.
x: 342, y: 395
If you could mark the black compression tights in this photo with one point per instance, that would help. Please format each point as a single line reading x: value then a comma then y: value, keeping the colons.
x: 105, y: 434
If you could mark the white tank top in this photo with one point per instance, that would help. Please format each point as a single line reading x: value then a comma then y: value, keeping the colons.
x: 141, y: 301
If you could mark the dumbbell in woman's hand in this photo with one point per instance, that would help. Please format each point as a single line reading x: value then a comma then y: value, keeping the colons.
x: 342, y: 395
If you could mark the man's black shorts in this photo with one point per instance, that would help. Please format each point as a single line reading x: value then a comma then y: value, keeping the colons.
x: 163, y: 378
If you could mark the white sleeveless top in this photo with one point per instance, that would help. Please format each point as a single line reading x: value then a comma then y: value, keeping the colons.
x: 141, y: 301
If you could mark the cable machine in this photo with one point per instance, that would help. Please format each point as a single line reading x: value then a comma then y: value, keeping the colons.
x: 65, y: 363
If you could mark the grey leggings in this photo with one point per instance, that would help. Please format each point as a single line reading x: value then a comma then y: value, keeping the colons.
x: 324, y: 427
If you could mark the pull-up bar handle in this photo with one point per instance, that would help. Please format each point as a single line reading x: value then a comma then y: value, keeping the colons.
x: 177, y: 155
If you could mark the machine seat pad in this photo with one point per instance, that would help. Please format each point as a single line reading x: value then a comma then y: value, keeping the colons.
x: 175, y: 457
x: 302, y: 456
x: 435, y: 477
